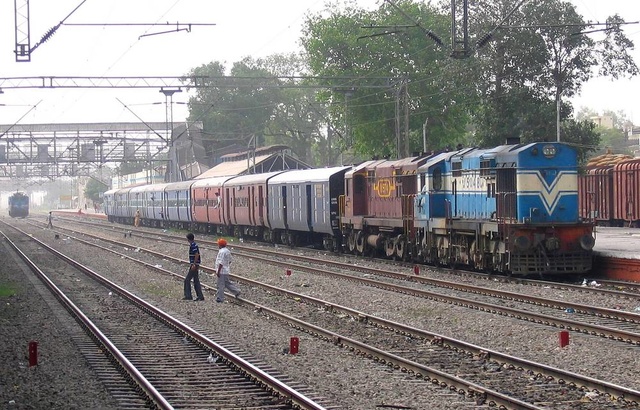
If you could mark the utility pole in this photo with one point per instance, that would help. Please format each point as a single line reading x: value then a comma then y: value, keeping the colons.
x: 174, y: 167
x: 402, y: 119
x: 424, y: 136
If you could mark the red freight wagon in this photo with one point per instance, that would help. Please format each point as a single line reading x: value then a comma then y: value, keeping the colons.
x: 626, y: 191
x: 596, y: 195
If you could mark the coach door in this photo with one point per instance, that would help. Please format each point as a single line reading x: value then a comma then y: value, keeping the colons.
x: 227, y: 206
x: 254, y: 207
x: 283, y: 195
x: 309, y: 199
x: 260, y: 204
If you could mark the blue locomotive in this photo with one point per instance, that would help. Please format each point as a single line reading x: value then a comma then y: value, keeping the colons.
x: 19, y: 205
x: 510, y: 209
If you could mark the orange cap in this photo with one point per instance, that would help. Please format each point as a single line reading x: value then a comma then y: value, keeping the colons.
x: 222, y: 242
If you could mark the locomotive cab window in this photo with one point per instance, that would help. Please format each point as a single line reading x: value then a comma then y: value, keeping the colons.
x: 358, y: 184
x: 437, y: 179
x: 457, y: 169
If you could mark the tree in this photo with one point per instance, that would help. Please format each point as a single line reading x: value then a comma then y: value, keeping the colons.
x: 234, y: 108
x: 262, y: 101
x: 557, y: 61
x: 94, y: 190
x: 389, y: 83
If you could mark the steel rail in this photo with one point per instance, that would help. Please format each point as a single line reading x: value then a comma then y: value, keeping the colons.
x: 149, y: 390
x: 288, y: 393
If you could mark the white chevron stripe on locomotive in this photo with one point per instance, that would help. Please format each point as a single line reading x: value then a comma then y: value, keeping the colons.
x: 532, y: 183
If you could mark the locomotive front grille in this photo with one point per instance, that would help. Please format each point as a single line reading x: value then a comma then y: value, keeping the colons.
x: 558, y: 263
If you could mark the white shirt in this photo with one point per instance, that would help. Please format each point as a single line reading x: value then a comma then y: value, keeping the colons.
x: 224, y: 259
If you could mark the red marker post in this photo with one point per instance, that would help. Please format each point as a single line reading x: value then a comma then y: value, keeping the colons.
x: 416, y: 269
x: 293, y: 345
x: 288, y: 272
x: 564, y: 338
x: 33, y: 353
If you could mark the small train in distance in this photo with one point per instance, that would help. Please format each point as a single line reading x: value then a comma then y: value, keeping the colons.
x: 19, y: 205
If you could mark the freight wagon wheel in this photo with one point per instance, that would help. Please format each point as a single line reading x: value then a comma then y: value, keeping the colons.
x: 401, y: 248
x: 476, y: 255
x: 351, y: 242
x: 389, y: 247
x: 360, y: 243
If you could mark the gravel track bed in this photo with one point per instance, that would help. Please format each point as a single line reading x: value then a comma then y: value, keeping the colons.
x: 350, y: 381
x: 62, y: 378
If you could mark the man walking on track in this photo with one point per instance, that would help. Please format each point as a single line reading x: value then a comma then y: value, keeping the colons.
x: 194, y: 265
x: 223, y: 263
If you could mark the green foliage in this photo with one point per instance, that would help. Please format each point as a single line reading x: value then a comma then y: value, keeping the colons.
x: 583, y: 135
x: 265, y: 100
x: 95, y: 189
x: 233, y: 108
x: 369, y: 80
x: 376, y: 68
x: 526, y: 70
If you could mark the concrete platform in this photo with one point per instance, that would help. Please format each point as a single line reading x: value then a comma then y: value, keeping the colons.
x: 86, y: 213
x: 621, y: 243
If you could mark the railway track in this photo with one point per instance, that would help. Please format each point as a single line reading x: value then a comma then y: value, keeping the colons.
x: 164, y: 360
x: 623, y: 289
x: 609, y: 323
x: 476, y: 361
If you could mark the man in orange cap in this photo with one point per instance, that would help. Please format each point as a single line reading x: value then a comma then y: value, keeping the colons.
x: 223, y: 264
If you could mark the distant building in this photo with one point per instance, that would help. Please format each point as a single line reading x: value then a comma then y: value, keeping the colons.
x: 139, y: 178
x: 603, y: 121
x: 264, y: 159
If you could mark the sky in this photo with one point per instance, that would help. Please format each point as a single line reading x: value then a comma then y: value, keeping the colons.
x: 255, y: 28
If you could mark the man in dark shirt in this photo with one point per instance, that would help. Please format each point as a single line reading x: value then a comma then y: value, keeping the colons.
x: 194, y: 265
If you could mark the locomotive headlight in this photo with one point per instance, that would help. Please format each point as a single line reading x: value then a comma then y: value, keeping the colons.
x: 552, y: 244
x: 587, y: 242
x: 549, y: 151
x: 523, y: 243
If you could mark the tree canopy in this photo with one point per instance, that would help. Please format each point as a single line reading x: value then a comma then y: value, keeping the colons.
x: 387, y: 82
